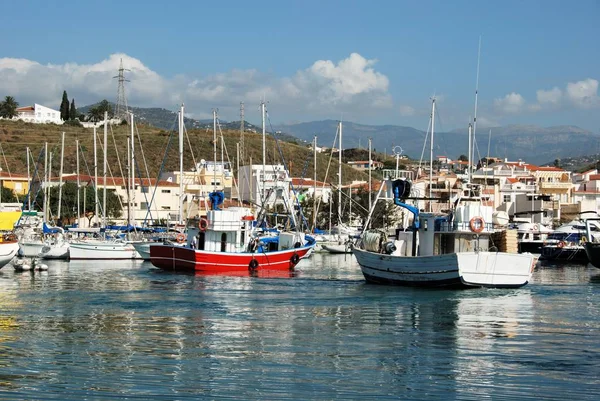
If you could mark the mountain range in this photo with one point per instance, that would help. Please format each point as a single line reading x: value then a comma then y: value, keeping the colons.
x: 534, y: 144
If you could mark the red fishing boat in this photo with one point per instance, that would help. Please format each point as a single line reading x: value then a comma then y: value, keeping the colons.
x: 226, y: 241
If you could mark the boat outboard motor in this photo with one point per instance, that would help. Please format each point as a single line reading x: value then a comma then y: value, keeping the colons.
x: 389, y: 247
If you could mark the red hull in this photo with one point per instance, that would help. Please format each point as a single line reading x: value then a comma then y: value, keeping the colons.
x: 170, y: 257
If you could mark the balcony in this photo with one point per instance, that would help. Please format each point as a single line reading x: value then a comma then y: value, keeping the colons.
x: 555, y: 185
x: 521, y: 189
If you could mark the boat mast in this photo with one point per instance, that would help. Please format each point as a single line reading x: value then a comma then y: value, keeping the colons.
x: 78, y: 198
x: 104, y: 172
x: 314, y: 184
x: 28, y: 183
x: 95, y: 176
x: 45, y: 181
x: 264, y: 153
x: 214, y: 150
x: 370, y: 168
x: 340, y: 177
x: 132, y: 167
x: 62, y: 155
x: 181, y: 164
x: 472, y: 145
x: 431, y: 154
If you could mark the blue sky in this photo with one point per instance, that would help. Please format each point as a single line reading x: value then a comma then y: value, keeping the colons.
x: 369, y: 62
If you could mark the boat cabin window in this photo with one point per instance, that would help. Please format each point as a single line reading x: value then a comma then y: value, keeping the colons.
x: 223, y: 242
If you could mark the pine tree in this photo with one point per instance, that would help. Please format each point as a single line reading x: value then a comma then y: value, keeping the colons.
x: 64, y: 107
x: 73, y: 111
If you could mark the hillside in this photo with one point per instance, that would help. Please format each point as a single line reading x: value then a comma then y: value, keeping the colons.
x: 159, y: 146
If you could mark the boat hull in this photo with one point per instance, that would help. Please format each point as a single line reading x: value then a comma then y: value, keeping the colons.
x: 173, y: 257
x: 464, y: 269
x: 531, y: 246
x: 8, y: 250
x: 336, y: 248
x: 102, y: 250
x: 592, y: 251
x: 573, y: 254
x: 56, y: 251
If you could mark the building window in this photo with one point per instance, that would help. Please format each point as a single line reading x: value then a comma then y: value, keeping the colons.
x: 165, y: 191
x: 145, y: 190
x: 166, y: 207
x: 143, y: 205
x: 507, y: 198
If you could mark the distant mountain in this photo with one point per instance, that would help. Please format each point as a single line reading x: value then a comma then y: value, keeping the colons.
x: 532, y: 143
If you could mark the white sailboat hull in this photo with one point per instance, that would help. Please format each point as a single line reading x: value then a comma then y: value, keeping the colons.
x: 481, y: 269
x: 102, y: 250
x: 55, y: 251
x: 143, y: 249
x: 7, y: 252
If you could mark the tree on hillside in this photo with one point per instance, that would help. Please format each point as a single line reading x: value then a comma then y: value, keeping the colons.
x: 463, y: 158
x: 73, y: 111
x: 64, y: 107
x: 95, y: 114
x: 105, y: 106
x: 8, y: 107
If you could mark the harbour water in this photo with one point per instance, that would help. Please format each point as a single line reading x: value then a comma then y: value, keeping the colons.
x: 105, y: 330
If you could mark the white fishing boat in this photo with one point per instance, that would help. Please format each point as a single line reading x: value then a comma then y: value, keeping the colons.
x: 453, y: 249
x: 442, y: 250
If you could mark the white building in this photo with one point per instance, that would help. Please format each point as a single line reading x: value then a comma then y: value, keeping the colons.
x: 269, y: 189
x: 38, y: 114
x: 162, y: 196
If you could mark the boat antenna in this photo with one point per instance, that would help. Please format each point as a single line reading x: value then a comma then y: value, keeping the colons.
x: 475, y: 113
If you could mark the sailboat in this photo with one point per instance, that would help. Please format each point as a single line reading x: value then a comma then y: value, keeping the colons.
x: 226, y: 241
x: 340, y: 240
x: 56, y: 245
x: 452, y: 249
x: 101, y: 247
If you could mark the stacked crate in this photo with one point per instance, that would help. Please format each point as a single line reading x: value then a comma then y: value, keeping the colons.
x: 506, y: 241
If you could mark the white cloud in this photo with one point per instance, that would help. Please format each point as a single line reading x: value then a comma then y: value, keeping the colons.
x: 552, y: 96
x: 406, y: 111
x: 510, y: 104
x: 584, y: 94
x: 351, y: 86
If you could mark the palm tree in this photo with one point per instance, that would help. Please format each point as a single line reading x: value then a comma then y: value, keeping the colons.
x: 95, y: 114
x: 8, y: 108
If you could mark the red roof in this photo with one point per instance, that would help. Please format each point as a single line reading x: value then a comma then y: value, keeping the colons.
x: 594, y: 177
x: 512, y: 180
x: 25, y: 108
x: 4, y: 175
x: 307, y: 182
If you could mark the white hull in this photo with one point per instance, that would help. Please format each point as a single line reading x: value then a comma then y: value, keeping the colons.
x: 336, y: 248
x: 7, y: 252
x: 143, y: 249
x: 481, y: 269
x: 94, y: 249
x: 55, y: 251
x: 30, y: 249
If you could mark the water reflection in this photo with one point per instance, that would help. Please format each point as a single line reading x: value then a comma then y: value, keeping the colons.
x: 105, y: 330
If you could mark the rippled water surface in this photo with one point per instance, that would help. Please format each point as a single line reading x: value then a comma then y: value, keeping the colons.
x: 101, y: 330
